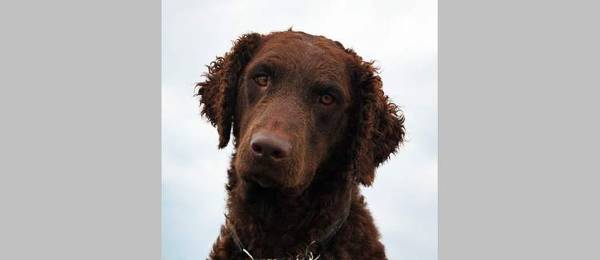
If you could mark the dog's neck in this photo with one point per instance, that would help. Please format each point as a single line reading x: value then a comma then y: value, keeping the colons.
x: 274, y: 222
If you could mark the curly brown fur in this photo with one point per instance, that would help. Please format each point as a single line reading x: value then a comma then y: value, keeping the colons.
x: 276, y: 84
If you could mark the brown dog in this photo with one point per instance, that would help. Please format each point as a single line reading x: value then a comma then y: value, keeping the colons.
x: 310, y: 123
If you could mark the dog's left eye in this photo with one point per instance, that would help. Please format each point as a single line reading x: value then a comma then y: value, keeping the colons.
x: 326, y: 99
x: 262, y: 80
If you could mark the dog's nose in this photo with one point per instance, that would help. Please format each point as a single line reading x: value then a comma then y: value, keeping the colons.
x: 270, y: 146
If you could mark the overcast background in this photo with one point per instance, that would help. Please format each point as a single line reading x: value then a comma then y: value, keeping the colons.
x: 400, y: 35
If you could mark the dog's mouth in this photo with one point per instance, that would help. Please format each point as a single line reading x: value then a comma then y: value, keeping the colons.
x: 258, y: 180
x: 261, y: 173
x: 266, y: 189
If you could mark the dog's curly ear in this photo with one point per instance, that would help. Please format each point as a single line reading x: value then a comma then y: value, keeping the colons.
x: 218, y: 93
x: 379, y: 128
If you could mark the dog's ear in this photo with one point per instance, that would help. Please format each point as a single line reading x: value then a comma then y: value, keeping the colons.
x: 379, y: 128
x: 218, y: 93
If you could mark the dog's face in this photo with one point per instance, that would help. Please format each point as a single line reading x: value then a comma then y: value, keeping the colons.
x: 295, y: 102
x: 292, y: 108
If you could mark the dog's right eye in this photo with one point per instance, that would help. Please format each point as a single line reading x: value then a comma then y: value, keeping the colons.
x: 262, y: 80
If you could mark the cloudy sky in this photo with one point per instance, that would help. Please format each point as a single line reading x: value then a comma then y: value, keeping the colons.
x: 400, y: 35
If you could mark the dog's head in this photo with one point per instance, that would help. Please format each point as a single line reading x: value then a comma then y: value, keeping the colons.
x: 299, y: 105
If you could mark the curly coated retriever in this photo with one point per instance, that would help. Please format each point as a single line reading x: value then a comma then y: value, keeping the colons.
x: 310, y: 124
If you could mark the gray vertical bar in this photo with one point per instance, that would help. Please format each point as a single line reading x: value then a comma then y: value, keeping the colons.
x: 518, y: 162
x: 80, y: 138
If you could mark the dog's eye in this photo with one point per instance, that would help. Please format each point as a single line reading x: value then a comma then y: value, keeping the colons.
x: 262, y: 80
x: 326, y: 99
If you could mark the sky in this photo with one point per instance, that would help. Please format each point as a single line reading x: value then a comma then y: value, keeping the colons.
x: 401, y: 36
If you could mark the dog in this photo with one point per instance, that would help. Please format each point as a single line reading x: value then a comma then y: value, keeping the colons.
x: 310, y: 124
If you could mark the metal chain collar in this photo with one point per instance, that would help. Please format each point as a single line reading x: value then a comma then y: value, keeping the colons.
x: 308, y: 255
